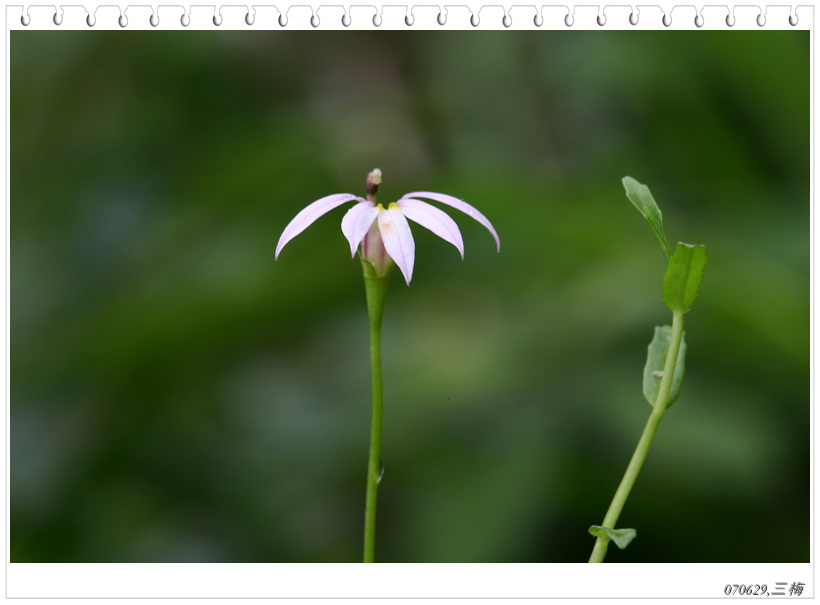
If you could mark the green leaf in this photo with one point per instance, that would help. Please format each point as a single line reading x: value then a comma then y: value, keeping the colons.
x: 683, y: 276
x: 642, y: 199
x: 621, y: 537
x: 655, y: 362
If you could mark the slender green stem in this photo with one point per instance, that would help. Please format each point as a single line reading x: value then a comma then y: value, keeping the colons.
x: 631, y: 474
x: 376, y: 290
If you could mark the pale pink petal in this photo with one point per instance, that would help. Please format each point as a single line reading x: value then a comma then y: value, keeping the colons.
x: 310, y: 213
x: 398, y: 240
x: 433, y: 219
x: 357, y: 222
x: 458, y: 205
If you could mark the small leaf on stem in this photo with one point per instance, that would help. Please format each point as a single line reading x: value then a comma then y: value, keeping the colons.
x: 642, y: 199
x: 621, y: 537
x: 683, y: 276
x: 655, y: 361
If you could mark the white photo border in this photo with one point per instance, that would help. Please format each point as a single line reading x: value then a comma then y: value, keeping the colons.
x: 390, y: 581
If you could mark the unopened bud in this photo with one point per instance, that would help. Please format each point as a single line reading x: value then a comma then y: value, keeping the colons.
x: 374, y: 179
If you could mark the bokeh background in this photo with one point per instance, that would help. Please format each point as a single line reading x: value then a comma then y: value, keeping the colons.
x: 176, y: 395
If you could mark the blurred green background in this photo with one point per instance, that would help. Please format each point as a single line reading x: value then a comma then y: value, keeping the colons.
x: 178, y: 396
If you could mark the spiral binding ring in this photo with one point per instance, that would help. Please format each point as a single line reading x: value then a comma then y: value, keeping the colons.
x: 410, y: 20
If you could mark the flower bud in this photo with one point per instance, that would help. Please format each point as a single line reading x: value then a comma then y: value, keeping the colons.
x: 374, y: 179
x: 372, y: 251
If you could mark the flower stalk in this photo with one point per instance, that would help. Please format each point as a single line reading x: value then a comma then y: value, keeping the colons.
x: 377, y: 267
x: 376, y: 290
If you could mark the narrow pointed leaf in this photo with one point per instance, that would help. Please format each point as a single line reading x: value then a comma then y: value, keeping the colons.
x: 683, y: 276
x: 655, y: 362
x: 642, y: 199
x: 621, y: 537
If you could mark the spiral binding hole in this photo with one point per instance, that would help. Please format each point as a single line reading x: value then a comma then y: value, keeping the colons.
x: 346, y: 20
x: 314, y: 20
x: 185, y: 19
x: 377, y: 20
x: 730, y: 20
x: 474, y: 20
x: 793, y: 20
x: 90, y: 20
x: 57, y: 18
x: 601, y: 19
x: 217, y: 20
x: 569, y: 20
x: 283, y: 20
x: 633, y: 18
x: 249, y: 18
x: 506, y: 21
x: 761, y: 20
x: 123, y: 21
x: 409, y: 20
x: 442, y: 19
x: 25, y: 20
x: 538, y: 20
x: 153, y: 20
x: 666, y: 20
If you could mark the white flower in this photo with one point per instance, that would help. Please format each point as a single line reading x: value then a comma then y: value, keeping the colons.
x: 384, y: 233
